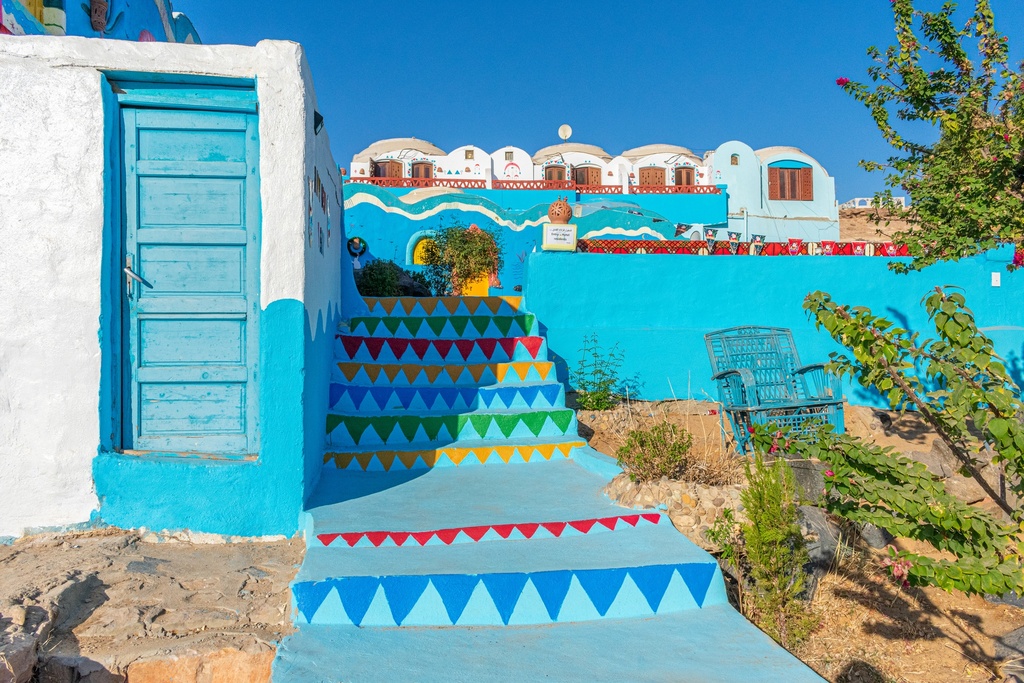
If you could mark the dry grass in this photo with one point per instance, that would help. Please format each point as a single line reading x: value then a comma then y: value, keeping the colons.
x: 711, y: 459
x: 874, y: 631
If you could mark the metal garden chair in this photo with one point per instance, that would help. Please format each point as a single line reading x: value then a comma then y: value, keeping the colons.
x: 761, y: 381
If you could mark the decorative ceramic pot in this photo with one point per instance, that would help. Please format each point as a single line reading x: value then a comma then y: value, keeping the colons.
x: 559, y: 212
x: 98, y: 15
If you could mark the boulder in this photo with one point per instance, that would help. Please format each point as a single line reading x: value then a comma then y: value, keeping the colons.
x: 822, y: 537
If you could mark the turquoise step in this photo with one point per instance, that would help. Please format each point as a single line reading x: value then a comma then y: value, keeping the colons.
x: 442, y: 327
x: 361, y: 348
x: 693, y: 646
x: 402, y: 429
x: 441, y: 375
x: 444, y: 306
x: 354, y: 398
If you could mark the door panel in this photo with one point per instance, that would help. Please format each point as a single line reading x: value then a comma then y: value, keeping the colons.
x: 192, y: 238
x: 652, y: 176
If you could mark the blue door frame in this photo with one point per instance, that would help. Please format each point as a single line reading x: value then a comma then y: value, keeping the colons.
x: 189, y: 269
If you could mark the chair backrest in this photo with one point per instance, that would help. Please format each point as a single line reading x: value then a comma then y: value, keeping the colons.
x: 769, y: 354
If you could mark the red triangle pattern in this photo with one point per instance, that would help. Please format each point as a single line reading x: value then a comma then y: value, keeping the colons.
x: 443, y: 346
x: 420, y: 347
x: 373, y: 346
x: 508, y: 345
x: 465, y: 347
x: 531, y: 344
x: 476, y: 533
x: 487, y: 346
x: 398, y: 346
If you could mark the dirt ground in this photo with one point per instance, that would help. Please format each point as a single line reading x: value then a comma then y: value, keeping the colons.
x: 856, y: 224
x: 108, y: 600
x: 872, y: 630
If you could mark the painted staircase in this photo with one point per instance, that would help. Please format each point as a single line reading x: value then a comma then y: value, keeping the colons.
x: 459, y: 520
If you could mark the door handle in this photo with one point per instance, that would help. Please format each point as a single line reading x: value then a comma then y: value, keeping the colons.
x: 132, y: 275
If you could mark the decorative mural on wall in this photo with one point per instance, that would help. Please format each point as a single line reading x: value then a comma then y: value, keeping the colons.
x: 142, y: 21
x: 391, y: 220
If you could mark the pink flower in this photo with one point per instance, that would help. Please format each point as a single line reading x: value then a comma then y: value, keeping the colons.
x: 750, y: 430
x: 842, y: 81
x: 1018, y: 257
x: 829, y: 473
x: 1006, y: 137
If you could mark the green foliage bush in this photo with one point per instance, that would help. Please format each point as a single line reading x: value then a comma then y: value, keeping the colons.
x: 661, y: 451
x: 379, y: 278
x: 596, y: 376
x: 456, y: 255
x: 958, y: 385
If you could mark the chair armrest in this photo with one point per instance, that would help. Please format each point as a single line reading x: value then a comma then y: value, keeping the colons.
x: 736, y: 387
x: 823, y: 385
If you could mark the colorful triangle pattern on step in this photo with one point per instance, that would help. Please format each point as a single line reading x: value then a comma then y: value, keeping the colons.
x: 450, y: 456
x: 356, y: 397
x: 468, y: 374
x: 403, y: 350
x: 443, y: 306
x: 503, y: 599
x: 449, y: 327
x: 406, y: 429
x: 486, y: 532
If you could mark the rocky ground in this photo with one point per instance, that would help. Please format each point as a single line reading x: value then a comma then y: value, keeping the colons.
x: 106, y: 606
x: 872, y: 630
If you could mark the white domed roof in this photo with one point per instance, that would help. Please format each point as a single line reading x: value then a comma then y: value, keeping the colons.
x: 397, y: 145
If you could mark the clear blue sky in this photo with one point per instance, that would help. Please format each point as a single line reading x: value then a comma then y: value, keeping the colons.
x: 621, y: 73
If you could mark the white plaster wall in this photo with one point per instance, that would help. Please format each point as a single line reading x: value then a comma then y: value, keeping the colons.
x: 520, y: 157
x: 52, y: 217
x: 479, y: 166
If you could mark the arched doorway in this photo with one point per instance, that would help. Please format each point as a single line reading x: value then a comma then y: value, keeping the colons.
x: 586, y: 175
x: 422, y: 169
x: 387, y: 169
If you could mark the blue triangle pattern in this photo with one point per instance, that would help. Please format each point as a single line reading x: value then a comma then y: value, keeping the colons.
x: 601, y: 586
x: 552, y: 587
x: 402, y: 593
x: 698, y: 578
x: 529, y: 394
x: 381, y: 395
x: 487, y: 397
x: 356, y: 594
x: 505, y: 590
x: 309, y: 595
x: 550, y: 392
x: 429, y: 395
x: 507, y: 395
x: 653, y: 582
x: 337, y: 391
x: 405, y: 396
x: 357, y: 393
x: 449, y: 396
x: 455, y: 591
x: 468, y: 395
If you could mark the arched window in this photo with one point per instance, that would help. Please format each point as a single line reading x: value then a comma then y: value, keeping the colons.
x: 734, y: 160
x: 554, y: 173
x: 419, y: 252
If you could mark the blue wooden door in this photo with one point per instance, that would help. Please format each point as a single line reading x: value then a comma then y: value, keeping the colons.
x: 191, y: 281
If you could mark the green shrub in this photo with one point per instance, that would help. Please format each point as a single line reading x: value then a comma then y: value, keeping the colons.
x: 596, y: 376
x: 661, y: 451
x: 775, y: 554
x: 767, y: 554
x: 379, y: 278
x: 456, y: 255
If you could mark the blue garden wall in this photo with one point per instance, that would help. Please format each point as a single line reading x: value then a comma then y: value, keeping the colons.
x: 658, y: 307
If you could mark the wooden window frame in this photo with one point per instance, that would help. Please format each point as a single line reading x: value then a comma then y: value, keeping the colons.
x: 417, y: 165
x: 791, y: 184
x: 680, y: 173
x: 561, y: 170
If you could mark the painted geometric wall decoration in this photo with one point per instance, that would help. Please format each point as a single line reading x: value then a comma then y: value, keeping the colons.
x: 409, y: 374
x: 486, y: 532
x: 503, y: 599
x: 377, y: 460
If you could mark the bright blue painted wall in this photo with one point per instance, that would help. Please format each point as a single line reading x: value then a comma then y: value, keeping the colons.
x: 658, y: 307
x: 126, y: 20
x: 257, y: 498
